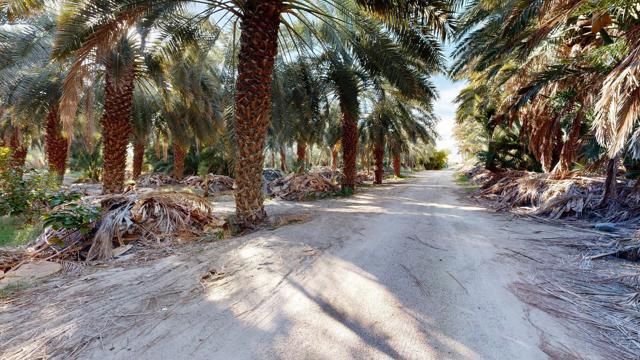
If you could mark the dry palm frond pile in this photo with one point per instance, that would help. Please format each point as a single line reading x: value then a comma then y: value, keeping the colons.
x: 601, y: 299
x: 328, y: 173
x: 155, y: 180
x: 269, y: 175
x: 364, y: 177
x: 302, y: 187
x: 193, y: 181
x: 9, y: 258
x: 543, y: 195
x: 216, y: 183
x: 124, y: 219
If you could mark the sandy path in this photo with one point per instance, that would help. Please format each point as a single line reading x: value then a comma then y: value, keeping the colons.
x: 401, y: 271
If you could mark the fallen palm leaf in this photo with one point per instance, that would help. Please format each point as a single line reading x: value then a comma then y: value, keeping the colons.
x: 302, y: 187
x: 553, y: 198
x: 155, y: 180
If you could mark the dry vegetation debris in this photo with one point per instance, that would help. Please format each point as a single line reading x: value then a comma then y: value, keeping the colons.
x: 328, y: 173
x: 363, y: 177
x: 599, y: 298
x: 155, y: 180
x: 302, y: 187
x: 214, y: 183
x: 144, y: 217
x: 591, y: 282
x: 544, y: 195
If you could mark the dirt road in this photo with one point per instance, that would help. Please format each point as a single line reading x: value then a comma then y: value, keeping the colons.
x: 404, y: 271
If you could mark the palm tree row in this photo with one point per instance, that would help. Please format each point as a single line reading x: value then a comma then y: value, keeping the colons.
x: 155, y: 70
x: 551, y: 84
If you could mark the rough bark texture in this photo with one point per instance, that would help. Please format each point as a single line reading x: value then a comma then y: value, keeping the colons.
x: 138, y: 159
x: 56, y: 146
x: 165, y: 150
x: 378, y: 153
x: 397, y: 164
x: 301, y: 152
x: 569, y: 148
x: 273, y: 159
x: 283, y: 159
x: 116, y: 129
x: 157, y: 146
x: 179, y: 154
x: 334, y: 158
x: 258, y: 47
x: 18, y: 150
x: 349, y: 150
x: 610, y: 185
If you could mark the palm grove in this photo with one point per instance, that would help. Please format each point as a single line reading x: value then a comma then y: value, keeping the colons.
x: 221, y: 81
x: 552, y: 86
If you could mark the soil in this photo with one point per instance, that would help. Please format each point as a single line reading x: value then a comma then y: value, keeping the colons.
x: 402, y: 271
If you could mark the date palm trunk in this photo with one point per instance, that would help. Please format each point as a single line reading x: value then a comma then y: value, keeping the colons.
x: 56, y: 145
x: 283, y: 159
x: 18, y: 150
x: 569, y: 148
x: 116, y: 129
x: 349, y: 150
x: 334, y: 158
x: 273, y: 159
x: 378, y: 153
x: 260, y: 22
x: 397, y: 164
x: 610, y: 184
x: 179, y: 154
x: 301, y: 152
x: 138, y: 159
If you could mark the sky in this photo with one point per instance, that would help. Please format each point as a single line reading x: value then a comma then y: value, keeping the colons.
x: 445, y: 109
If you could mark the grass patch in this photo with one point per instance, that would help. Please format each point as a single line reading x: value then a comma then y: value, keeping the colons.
x: 10, y: 290
x: 344, y: 193
x: 464, y: 182
x: 462, y: 178
x: 15, y: 231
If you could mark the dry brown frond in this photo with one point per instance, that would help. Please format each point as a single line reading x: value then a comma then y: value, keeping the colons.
x: 619, y: 105
x: 92, y: 51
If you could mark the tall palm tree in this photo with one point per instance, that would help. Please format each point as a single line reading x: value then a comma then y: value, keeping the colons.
x: 393, y: 123
x: 260, y: 22
x: 365, y: 57
x: 544, y: 50
x: 193, y: 106
x: 296, y: 99
x: 30, y: 83
x: 97, y: 41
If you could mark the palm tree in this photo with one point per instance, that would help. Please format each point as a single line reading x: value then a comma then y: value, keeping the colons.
x: 296, y: 115
x: 192, y: 109
x: 563, y: 61
x: 116, y: 119
x: 260, y: 22
x: 365, y: 57
x: 96, y: 40
x: 393, y: 123
x: 31, y: 84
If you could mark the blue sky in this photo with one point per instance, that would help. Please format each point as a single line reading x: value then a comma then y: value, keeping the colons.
x: 445, y: 109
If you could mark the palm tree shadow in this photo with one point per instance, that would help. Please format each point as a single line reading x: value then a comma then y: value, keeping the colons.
x: 369, y: 335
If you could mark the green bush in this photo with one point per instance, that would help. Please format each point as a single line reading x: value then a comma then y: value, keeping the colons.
x: 88, y: 163
x: 437, y: 161
x: 28, y: 193
x: 14, y: 231
x: 72, y: 217
x: 23, y: 191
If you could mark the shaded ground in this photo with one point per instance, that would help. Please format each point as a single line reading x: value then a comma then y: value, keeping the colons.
x: 401, y: 271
